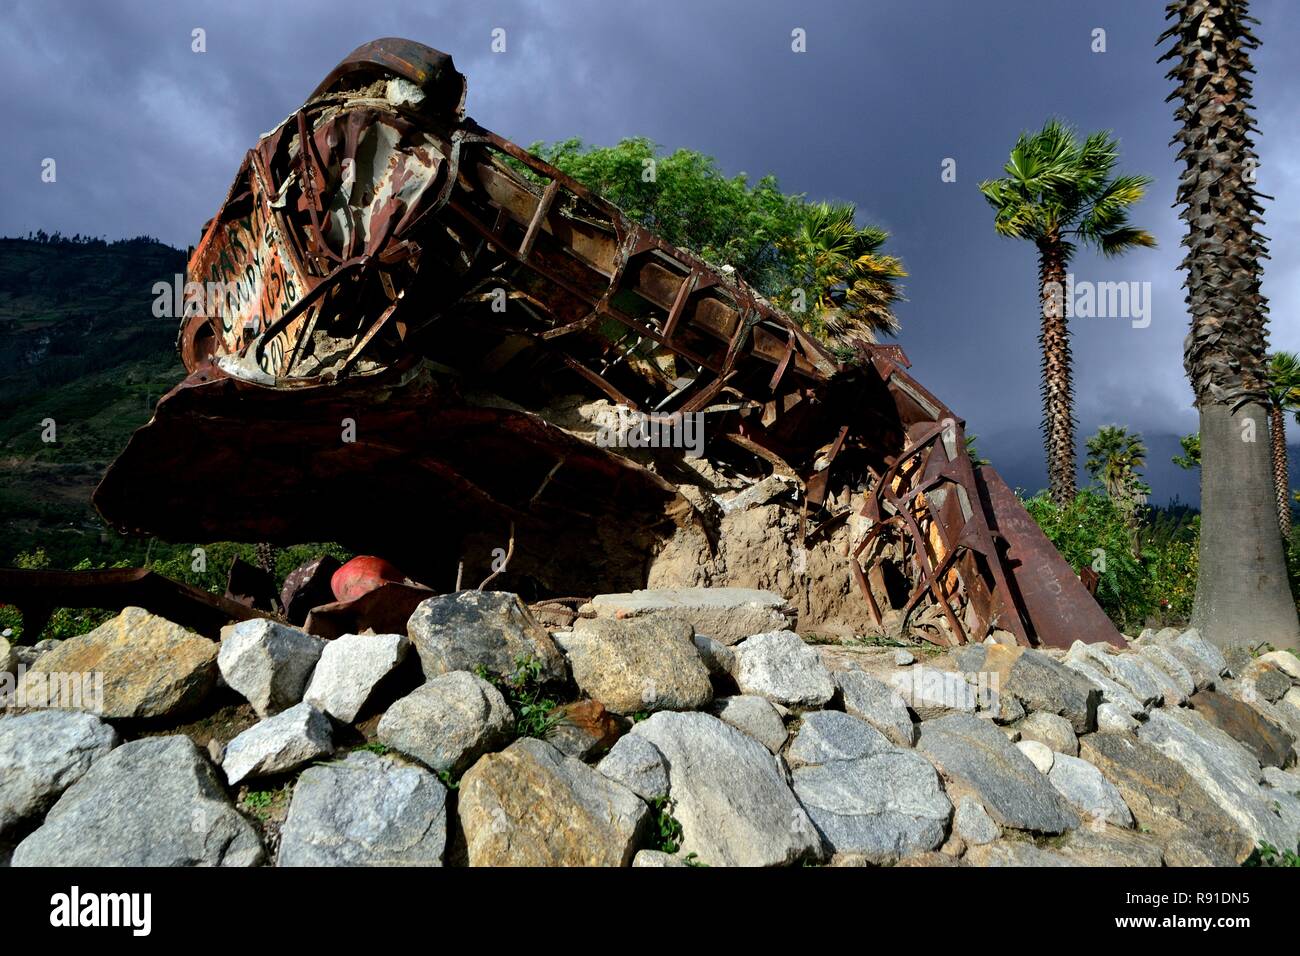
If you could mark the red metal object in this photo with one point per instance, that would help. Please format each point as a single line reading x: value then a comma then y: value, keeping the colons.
x: 362, y: 575
x: 404, y: 297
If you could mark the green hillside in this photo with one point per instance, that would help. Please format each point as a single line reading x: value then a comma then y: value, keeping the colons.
x: 81, y: 347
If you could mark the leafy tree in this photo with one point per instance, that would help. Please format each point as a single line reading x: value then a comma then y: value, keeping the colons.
x: 1058, y: 192
x: 839, y: 266
x: 1283, y: 397
x: 811, y: 258
x: 1115, y: 456
x: 1191, y: 456
x: 1242, y: 595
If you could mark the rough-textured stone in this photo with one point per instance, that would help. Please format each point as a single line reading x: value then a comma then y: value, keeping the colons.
x: 1039, y: 754
x: 1111, y: 692
x: 1171, y: 693
x: 267, y: 663
x: 1163, y: 797
x: 1171, y: 666
x: 778, y: 665
x: 718, y: 657
x: 931, y: 692
x: 972, y: 823
x: 904, y: 658
x: 1268, y: 682
x: 976, y: 754
x: 44, y: 752
x: 150, y: 802
x: 1014, y: 853
x: 583, y: 729
x: 755, y: 716
x: 448, y: 722
x: 365, y: 810
x: 1205, y: 661
x: 1267, y: 742
x: 1113, y: 719
x: 1050, y: 729
x: 150, y: 667
x: 878, y: 704
x: 728, y: 793
x: 1288, y: 782
x: 530, y: 805
x: 1223, y: 768
x: 1107, y: 846
x: 864, y: 794
x: 349, y: 669
x: 1125, y: 669
x: 1284, y: 661
x: 658, y: 858
x: 728, y: 615
x: 644, y: 664
x: 638, y: 765
x: 489, y: 629
x: 1088, y: 791
x: 1038, y: 680
x: 278, y: 744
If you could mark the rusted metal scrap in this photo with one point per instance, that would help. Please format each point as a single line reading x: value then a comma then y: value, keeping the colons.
x: 391, y: 294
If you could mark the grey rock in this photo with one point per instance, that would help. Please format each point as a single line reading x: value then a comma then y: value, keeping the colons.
x: 365, y: 810
x: 490, y: 629
x: 972, y: 823
x: 1284, y: 661
x: 1050, y: 729
x: 638, y: 765
x: 755, y: 716
x: 718, y: 657
x: 448, y: 722
x: 1014, y: 853
x: 657, y: 858
x: 1088, y: 791
x: 349, y: 669
x: 728, y: 615
x: 1125, y: 669
x: 731, y: 798
x: 278, y: 744
x: 864, y: 794
x: 1036, y: 679
x: 1288, y: 782
x: 1172, y: 694
x: 1167, y: 800
x: 1114, y: 719
x: 931, y: 692
x: 973, y: 752
x: 1223, y: 768
x: 1202, y: 659
x: 1171, y: 666
x: 1100, y: 845
x: 641, y: 664
x: 1111, y: 692
x: 878, y: 704
x: 150, y: 802
x: 1039, y: 754
x: 267, y: 663
x: 44, y: 752
x: 904, y: 658
x: 778, y: 665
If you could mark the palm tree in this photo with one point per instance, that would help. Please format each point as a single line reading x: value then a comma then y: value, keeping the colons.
x: 1059, y: 191
x: 1191, y: 456
x: 1242, y: 592
x: 1115, y: 456
x: 849, y: 286
x: 1283, y: 397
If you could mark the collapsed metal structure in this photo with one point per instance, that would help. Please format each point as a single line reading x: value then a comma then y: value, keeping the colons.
x: 391, y: 296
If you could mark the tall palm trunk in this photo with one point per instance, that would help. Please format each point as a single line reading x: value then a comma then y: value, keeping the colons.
x: 1242, y: 592
x: 1058, y: 395
x: 1281, y: 480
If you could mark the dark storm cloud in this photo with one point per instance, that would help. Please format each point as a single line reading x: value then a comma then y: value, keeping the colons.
x: 147, y: 135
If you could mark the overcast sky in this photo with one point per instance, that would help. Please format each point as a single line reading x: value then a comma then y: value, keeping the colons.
x: 147, y: 135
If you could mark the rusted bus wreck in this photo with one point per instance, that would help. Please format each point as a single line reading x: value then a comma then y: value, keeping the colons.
x: 415, y: 315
